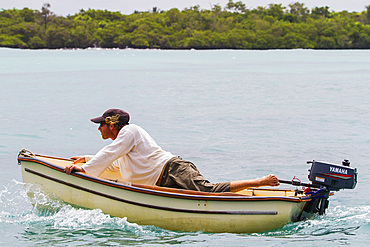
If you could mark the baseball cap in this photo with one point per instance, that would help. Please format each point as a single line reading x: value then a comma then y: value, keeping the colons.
x: 123, y: 117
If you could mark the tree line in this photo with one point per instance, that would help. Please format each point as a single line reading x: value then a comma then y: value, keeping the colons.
x: 230, y: 27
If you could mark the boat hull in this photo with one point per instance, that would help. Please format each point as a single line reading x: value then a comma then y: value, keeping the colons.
x: 166, y: 208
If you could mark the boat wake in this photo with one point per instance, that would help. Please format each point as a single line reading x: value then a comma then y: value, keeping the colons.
x: 340, y: 225
x: 39, y: 212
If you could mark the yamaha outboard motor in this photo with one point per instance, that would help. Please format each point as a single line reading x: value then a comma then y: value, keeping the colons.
x: 328, y: 177
x: 333, y: 177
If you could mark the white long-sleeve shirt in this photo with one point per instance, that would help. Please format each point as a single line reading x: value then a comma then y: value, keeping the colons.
x: 137, y: 155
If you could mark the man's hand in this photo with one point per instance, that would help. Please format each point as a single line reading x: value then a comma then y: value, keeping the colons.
x: 69, y: 168
x: 78, y: 159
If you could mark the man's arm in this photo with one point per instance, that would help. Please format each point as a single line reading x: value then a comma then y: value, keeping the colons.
x: 122, y: 145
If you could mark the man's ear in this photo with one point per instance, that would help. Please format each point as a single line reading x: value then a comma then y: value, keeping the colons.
x: 111, y: 126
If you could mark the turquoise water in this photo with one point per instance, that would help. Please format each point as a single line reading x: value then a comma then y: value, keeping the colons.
x: 235, y: 114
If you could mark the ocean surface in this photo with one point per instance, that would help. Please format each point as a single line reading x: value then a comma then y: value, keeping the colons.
x: 235, y: 114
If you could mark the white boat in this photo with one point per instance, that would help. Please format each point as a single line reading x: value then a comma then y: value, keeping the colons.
x: 247, y: 211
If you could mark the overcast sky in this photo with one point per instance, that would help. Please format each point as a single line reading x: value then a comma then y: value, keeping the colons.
x: 66, y: 7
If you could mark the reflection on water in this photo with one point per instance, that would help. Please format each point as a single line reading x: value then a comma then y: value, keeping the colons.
x: 46, y: 221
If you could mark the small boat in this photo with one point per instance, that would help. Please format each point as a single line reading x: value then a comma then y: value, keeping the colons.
x: 246, y: 211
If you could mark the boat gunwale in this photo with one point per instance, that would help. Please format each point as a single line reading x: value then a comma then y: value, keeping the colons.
x: 164, y: 191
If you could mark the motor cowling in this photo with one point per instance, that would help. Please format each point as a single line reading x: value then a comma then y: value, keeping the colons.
x: 332, y: 176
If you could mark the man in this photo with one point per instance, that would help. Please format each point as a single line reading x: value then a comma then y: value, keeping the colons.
x: 140, y: 160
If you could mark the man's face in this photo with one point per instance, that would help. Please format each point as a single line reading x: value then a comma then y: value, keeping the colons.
x: 105, y: 131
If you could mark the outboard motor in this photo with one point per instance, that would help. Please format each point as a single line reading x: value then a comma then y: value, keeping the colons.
x: 328, y: 177
x: 333, y: 177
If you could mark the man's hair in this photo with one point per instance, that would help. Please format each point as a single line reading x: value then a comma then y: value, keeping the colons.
x: 114, y: 120
x: 117, y: 117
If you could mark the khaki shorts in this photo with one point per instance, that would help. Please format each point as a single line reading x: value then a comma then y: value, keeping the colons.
x: 182, y: 174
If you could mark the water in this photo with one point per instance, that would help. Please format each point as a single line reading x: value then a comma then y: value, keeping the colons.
x: 235, y: 114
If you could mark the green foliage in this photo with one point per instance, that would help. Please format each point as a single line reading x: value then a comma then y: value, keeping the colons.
x: 231, y: 27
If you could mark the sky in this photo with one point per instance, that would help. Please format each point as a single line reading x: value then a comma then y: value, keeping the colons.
x: 70, y: 7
